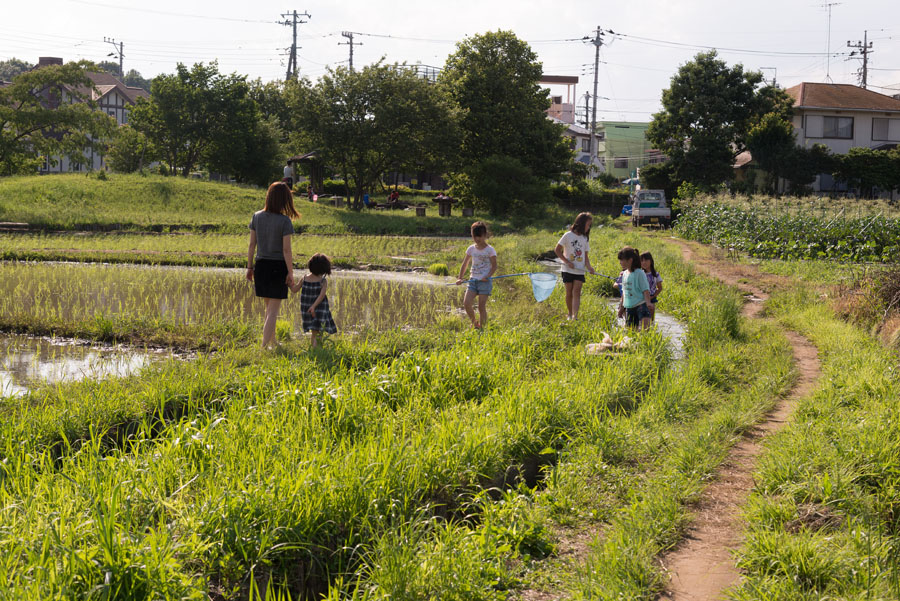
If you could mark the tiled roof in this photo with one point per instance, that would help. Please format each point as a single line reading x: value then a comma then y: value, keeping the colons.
x: 840, y: 96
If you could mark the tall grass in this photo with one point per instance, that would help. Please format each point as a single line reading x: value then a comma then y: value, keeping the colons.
x: 824, y: 521
x: 431, y: 463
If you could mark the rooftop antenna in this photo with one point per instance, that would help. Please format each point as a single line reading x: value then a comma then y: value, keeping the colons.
x: 827, y: 6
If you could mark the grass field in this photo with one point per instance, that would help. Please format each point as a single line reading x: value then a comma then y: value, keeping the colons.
x: 386, y: 467
x: 164, y: 204
x: 419, y: 463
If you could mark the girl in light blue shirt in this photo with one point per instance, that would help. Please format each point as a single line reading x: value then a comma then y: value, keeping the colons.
x: 635, y: 304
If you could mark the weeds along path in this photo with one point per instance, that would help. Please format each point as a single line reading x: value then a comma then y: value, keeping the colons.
x: 702, y: 567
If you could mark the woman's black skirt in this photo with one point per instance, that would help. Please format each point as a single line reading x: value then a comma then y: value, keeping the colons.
x: 269, y: 278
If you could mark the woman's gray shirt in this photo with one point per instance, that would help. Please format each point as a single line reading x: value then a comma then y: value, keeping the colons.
x: 271, y: 228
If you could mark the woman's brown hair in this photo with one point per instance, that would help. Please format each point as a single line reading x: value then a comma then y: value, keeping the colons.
x: 632, y: 254
x: 580, y: 224
x: 279, y: 199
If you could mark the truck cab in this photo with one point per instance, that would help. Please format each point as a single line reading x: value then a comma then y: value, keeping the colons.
x: 649, y: 208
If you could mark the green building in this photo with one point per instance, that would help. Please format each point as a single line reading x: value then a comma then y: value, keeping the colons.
x: 623, y: 147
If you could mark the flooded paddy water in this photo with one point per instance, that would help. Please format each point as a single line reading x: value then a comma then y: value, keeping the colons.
x: 27, y: 361
x: 375, y: 301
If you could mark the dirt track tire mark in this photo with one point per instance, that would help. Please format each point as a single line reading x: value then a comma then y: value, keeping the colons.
x: 702, y: 566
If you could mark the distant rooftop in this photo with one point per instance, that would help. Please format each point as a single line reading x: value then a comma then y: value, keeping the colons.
x: 840, y: 96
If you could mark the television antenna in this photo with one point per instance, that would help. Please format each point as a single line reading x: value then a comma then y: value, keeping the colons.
x: 827, y: 6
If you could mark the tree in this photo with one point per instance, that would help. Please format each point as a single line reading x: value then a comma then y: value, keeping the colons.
x: 129, y: 150
x: 48, y: 112
x: 12, y: 67
x: 494, y: 78
x: 866, y: 169
x: 378, y: 118
x: 503, y: 185
x: 771, y: 140
x: 136, y: 80
x: 707, y: 114
x: 109, y: 67
x: 198, y: 115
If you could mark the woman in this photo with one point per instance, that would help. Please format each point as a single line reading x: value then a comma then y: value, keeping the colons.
x: 270, y: 240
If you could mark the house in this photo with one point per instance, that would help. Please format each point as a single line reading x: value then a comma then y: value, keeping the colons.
x: 843, y: 116
x: 561, y: 110
x: 112, y: 97
x: 579, y: 140
x: 623, y: 147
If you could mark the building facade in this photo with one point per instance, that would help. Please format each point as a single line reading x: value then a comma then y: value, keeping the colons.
x: 623, y: 147
x: 113, y: 98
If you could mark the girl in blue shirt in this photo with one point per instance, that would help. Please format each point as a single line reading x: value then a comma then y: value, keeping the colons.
x: 635, y: 303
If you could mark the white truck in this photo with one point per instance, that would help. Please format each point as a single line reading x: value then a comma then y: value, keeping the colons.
x: 648, y: 207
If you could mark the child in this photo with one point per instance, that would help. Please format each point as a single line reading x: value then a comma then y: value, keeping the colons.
x: 483, y: 259
x: 572, y: 249
x: 313, y: 302
x: 654, y: 280
x: 635, y: 302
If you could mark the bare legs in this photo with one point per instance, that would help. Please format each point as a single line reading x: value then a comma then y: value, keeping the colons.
x: 313, y: 336
x: 469, y: 305
x: 573, y: 298
x: 273, y: 305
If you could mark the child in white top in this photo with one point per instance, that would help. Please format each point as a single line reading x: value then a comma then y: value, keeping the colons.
x: 572, y: 250
x: 483, y: 259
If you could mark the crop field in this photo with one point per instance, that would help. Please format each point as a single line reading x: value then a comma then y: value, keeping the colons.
x: 224, y: 250
x: 767, y: 235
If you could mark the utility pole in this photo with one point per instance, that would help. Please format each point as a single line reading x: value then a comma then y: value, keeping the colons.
x: 119, y: 52
x: 864, y: 48
x: 587, y: 111
x: 295, y: 19
x: 774, y: 75
x: 597, y: 42
x: 351, y: 43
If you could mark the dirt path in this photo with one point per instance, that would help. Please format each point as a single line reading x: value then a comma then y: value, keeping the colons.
x: 702, y: 566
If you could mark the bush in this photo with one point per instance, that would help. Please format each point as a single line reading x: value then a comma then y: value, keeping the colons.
x: 438, y: 269
x: 334, y: 187
x: 504, y: 186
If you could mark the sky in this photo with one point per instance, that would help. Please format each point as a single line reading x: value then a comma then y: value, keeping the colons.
x: 645, y: 41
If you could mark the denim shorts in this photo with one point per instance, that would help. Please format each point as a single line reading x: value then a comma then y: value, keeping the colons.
x: 479, y: 287
x: 634, y: 315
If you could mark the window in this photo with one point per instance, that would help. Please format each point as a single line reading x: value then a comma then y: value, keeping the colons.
x: 601, y: 135
x: 621, y: 163
x: 837, y: 127
x: 585, y: 144
x: 557, y: 99
x: 886, y: 130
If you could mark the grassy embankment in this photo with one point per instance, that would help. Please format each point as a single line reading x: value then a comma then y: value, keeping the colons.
x: 438, y: 463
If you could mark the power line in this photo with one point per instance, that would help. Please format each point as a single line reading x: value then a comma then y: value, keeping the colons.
x: 295, y: 19
x: 168, y: 13
x: 652, y: 41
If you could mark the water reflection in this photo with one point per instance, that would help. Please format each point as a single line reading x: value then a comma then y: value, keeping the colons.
x: 26, y: 362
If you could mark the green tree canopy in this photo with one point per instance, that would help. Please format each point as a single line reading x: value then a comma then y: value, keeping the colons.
x: 49, y: 112
x: 708, y: 111
x: 771, y: 140
x: 129, y: 150
x: 372, y: 120
x: 494, y: 78
x: 136, y: 80
x: 198, y: 115
x: 12, y: 67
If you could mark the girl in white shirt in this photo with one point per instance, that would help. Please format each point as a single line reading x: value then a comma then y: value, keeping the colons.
x: 572, y: 249
x: 483, y: 259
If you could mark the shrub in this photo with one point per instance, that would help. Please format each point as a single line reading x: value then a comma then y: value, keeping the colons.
x: 504, y: 186
x: 438, y: 269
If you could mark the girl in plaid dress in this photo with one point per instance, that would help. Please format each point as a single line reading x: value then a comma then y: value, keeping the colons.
x: 313, y: 302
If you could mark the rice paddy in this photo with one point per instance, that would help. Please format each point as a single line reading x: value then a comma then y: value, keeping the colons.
x: 412, y: 458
